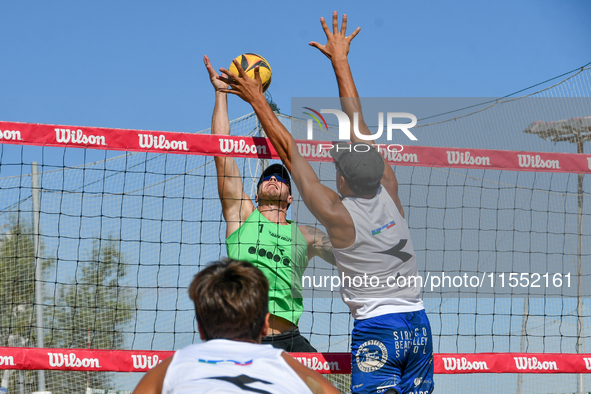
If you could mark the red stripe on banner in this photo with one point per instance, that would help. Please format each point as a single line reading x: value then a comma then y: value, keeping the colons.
x: 325, y: 363
x: 81, y: 359
x: 261, y: 148
x: 513, y: 363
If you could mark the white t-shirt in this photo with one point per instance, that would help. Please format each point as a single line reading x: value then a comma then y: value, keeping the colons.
x: 225, y: 366
x: 382, y: 250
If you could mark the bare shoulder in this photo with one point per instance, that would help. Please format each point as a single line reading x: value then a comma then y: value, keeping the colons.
x: 316, y: 382
x: 152, y: 381
x: 390, y: 183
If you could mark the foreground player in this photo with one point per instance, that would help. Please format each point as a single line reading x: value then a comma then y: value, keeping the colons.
x: 231, y: 303
x: 391, y: 345
x: 264, y: 236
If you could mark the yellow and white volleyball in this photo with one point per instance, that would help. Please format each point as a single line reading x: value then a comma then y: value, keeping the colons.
x: 248, y: 62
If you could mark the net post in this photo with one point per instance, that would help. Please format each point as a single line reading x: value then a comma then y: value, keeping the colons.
x: 38, y: 268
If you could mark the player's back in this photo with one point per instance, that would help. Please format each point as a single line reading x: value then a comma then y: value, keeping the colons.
x: 382, y: 250
x: 225, y: 366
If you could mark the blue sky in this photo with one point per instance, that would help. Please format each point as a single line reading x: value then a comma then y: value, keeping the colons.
x: 139, y: 64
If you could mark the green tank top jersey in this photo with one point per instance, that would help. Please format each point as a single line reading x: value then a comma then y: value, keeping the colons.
x: 281, y: 252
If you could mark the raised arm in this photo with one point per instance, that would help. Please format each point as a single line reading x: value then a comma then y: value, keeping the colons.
x: 318, y: 244
x: 322, y: 202
x: 236, y: 204
x: 337, y: 49
x: 152, y: 381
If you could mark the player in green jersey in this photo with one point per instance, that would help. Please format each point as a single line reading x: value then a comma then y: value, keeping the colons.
x: 263, y: 236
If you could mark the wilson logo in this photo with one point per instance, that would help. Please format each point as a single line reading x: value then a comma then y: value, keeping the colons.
x: 10, y: 135
x: 537, y: 162
x: 318, y: 365
x: 6, y: 360
x: 313, y: 150
x: 589, y: 162
x: 70, y: 360
x: 160, y: 142
x: 533, y: 363
x: 240, y: 146
x: 143, y: 361
x: 461, y: 364
x: 78, y: 137
x: 587, y: 363
x: 455, y: 157
x: 400, y: 157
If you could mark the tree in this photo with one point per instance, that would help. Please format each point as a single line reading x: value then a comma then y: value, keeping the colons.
x: 91, y: 309
x: 17, y: 291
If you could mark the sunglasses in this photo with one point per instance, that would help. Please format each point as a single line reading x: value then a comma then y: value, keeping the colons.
x: 279, y: 179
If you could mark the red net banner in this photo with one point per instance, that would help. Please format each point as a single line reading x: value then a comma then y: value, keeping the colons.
x: 325, y: 363
x: 261, y: 148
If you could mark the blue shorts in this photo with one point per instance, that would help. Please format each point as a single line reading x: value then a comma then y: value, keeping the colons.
x: 392, y: 353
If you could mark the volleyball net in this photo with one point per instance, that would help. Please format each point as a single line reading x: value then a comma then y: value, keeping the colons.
x: 103, y: 229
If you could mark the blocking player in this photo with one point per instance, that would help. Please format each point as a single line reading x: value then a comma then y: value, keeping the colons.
x: 263, y: 236
x: 231, y: 304
x: 391, y: 341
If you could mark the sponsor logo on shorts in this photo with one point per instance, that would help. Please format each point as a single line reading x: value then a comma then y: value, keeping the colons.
x: 371, y: 356
x: 388, y: 384
x: 418, y: 381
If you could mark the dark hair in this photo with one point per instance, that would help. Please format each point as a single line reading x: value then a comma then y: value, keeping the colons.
x: 231, y: 300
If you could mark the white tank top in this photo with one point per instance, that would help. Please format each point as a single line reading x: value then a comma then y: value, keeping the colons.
x: 382, y: 250
x: 224, y: 366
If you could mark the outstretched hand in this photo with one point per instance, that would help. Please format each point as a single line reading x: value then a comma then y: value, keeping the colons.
x: 337, y: 43
x: 243, y: 86
x: 213, y: 75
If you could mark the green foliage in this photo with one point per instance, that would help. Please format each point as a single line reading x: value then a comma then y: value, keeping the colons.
x: 91, y: 309
x: 17, y: 281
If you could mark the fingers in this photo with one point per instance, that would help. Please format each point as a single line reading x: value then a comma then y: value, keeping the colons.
x: 344, y: 25
x: 257, y: 75
x: 321, y: 48
x: 227, y: 76
x: 317, y: 45
x: 352, y: 36
x: 230, y: 76
x: 207, y: 63
x: 240, y: 69
x: 228, y: 91
x: 335, y: 22
x: 324, y: 27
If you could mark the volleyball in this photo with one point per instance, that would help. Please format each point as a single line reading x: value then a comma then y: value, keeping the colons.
x: 249, y: 61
